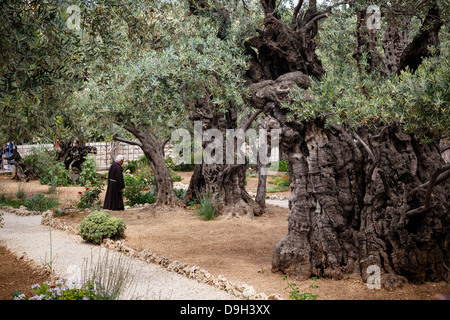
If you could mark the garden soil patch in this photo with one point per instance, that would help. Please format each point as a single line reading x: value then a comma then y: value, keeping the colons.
x: 238, y: 249
x: 18, y: 274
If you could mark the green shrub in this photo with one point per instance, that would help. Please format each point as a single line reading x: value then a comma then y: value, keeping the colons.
x: 283, y: 166
x: 89, y: 174
x: 47, y: 168
x: 94, y: 183
x: 40, y: 202
x: 8, y: 202
x: 99, y: 225
x: 142, y: 197
x: 175, y: 177
x: 131, y: 166
x: 134, y: 185
x: 90, y: 198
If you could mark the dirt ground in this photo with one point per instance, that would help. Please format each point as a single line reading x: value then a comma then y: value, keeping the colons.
x: 239, y: 249
x: 17, y: 274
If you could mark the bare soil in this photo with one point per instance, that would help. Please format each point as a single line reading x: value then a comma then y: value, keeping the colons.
x: 239, y: 249
x: 18, y: 274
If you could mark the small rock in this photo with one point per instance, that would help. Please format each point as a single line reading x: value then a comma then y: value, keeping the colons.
x: 274, y: 296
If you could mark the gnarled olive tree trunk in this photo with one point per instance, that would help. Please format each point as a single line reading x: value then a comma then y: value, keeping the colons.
x: 153, y: 149
x: 223, y: 181
x: 359, y: 200
x: 356, y: 202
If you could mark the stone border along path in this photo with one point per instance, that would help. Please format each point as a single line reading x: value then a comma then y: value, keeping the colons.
x: 156, y: 277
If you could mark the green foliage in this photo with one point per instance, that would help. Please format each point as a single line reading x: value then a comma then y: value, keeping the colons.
x: 8, y: 202
x: 180, y: 193
x: 90, y: 198
x: 47, y: 168
x: 89, y: 174
x: 418, y: 101
x: 208, y: 207
x: 283, y: 165
x: 135, y: 184
x: 99, y: 225
x: 155, y: 85
x: 131, y: 166
x: 139, y: 197
x: 278, y: 188
x: 40, y: 202
x: 94, y: 183
x: 421, y: 100
x: 280, y: 181
x: 106, y: 280
x: 295, y: 292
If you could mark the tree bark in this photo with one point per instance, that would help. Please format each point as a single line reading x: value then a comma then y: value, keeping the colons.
x: 223, y: 181
x: 154, y: 152
x: 428, y: 36
x: 342, y: 221
x: 73, y: 155
x: 354, y: 195
x: 366, y: 43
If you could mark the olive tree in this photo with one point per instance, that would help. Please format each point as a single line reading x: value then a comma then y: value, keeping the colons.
x: 361, y: 131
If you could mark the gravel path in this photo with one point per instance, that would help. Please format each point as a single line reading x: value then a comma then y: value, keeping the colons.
x: 279, y: 203
x: 26, y: 234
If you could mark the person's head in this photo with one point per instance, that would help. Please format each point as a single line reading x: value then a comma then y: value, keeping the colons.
x: 120, y: 159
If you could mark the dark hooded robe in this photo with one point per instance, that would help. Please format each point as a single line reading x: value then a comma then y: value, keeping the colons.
x: 114, y: 197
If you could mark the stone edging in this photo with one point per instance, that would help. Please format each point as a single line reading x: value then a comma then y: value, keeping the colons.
x: 22, y: 211
x: 241, y: 291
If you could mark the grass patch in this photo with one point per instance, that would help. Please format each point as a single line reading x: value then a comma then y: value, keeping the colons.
x: 9, y: 202
x: 208, y: 207
x: 277, y: 188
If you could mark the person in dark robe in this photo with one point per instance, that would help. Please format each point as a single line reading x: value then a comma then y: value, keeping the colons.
x: 116, y: 184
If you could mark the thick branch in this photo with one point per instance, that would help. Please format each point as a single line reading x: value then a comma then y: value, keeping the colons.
x: 295, y: 15
x: 428, y: 36
x: 249, y: 119
x: 442, y: 174
x: 443, y: 149
x: 131, y: 142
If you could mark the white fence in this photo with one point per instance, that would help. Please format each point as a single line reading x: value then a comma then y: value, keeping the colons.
x: 103, y: 157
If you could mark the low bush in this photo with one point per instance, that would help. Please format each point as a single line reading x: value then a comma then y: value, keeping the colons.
x: 90, y: 198
x: 99, y: 225
x: 131, y: 166
x: 40, y: 202
x: 135, y: 184
x: 47, y: 168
